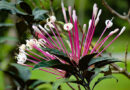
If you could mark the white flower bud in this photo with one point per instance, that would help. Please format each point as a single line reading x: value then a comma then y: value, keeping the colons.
x: 95, y: 9
x: 108, y: 23
x: 84, y: 28
x: 21, y: 58
x: 68, y: 26
x: 90, y: 21
x: 31, y: 42
x: 122, y: 30
x: 52, y: 18
x: 22, y: 48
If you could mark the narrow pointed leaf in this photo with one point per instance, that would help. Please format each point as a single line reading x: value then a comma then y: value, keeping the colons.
x: 47, y: 64
x: 23, y: 72
x: 64, y: 58
x: 83, y: 62
x: 102, y: 60
x: 39, y: 14
x: 54, y: 51
x: 68, y: 68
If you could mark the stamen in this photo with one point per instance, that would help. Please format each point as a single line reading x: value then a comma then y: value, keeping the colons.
x: 95, y: 9
x: 108, y: 23
x: 74, y: 16
x: 97, y: 19
x: 64, y: 12
x: 42, y: 28
x: 36, y: 29
x: 68, y: 26
x: 122, y: 30
x: 84, y: 28
x: 90, y: 21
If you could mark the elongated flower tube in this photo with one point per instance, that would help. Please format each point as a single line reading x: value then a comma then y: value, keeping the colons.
x: 35, y: 49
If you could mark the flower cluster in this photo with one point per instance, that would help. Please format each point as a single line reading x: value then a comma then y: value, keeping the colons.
x: 32, y: 51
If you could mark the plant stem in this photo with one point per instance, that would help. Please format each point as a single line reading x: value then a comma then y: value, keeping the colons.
x: 70, y: 86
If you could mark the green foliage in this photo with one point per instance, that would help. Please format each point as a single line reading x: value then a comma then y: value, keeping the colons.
x: 21, y: 77
x: 3, y: 39
x: 84, y: 70
x: 39, y: 14
x: 57, y: 84
x: 102, y: 61
x: 54, y: 51
x: 6, y: 25
x: 10, y: 7
x: 102, y: 78
x: 50, y: 63
x: 22, y: 72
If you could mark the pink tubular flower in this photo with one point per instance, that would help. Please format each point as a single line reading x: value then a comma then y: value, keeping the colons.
x: 32, y: 51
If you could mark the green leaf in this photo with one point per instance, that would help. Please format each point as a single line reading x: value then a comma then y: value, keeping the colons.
x: 24, y: 6
x: 64, y: 58
x: 23, y: 72
x: 88, y: 75
x: 10, y: 7
x: 54, y: 51
x: 47, y: 64
x: 102, y: 78
x: 68, y: 68
x: 83, y: 62
x: 39, y: 14
x: 58, y: 83
x: 101, y: 61
x: 15, y: 78
x: 6, y: 25
x: 3, y: 39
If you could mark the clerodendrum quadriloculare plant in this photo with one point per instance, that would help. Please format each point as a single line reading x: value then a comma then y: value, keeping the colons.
x: 81, y: 61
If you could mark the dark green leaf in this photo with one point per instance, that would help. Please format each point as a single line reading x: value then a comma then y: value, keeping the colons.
x: 64, y: 58
x: 24, y: 6
x: 10, y: 7
x: 100, y: 61
x: 102, y: 78
x: 54, y: 51
x: 77, y: 82
x: 39, y: 14
x: 88, y: 75
x: 16, y: 78
x: 83, y: 62
x: 34, y: 83
x: 50, y: 63
x: 103, y: 63
x: 23, y: 72
x: 68, y: 68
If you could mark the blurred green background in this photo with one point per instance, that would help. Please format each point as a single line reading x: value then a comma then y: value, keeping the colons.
x: 11, y: 38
